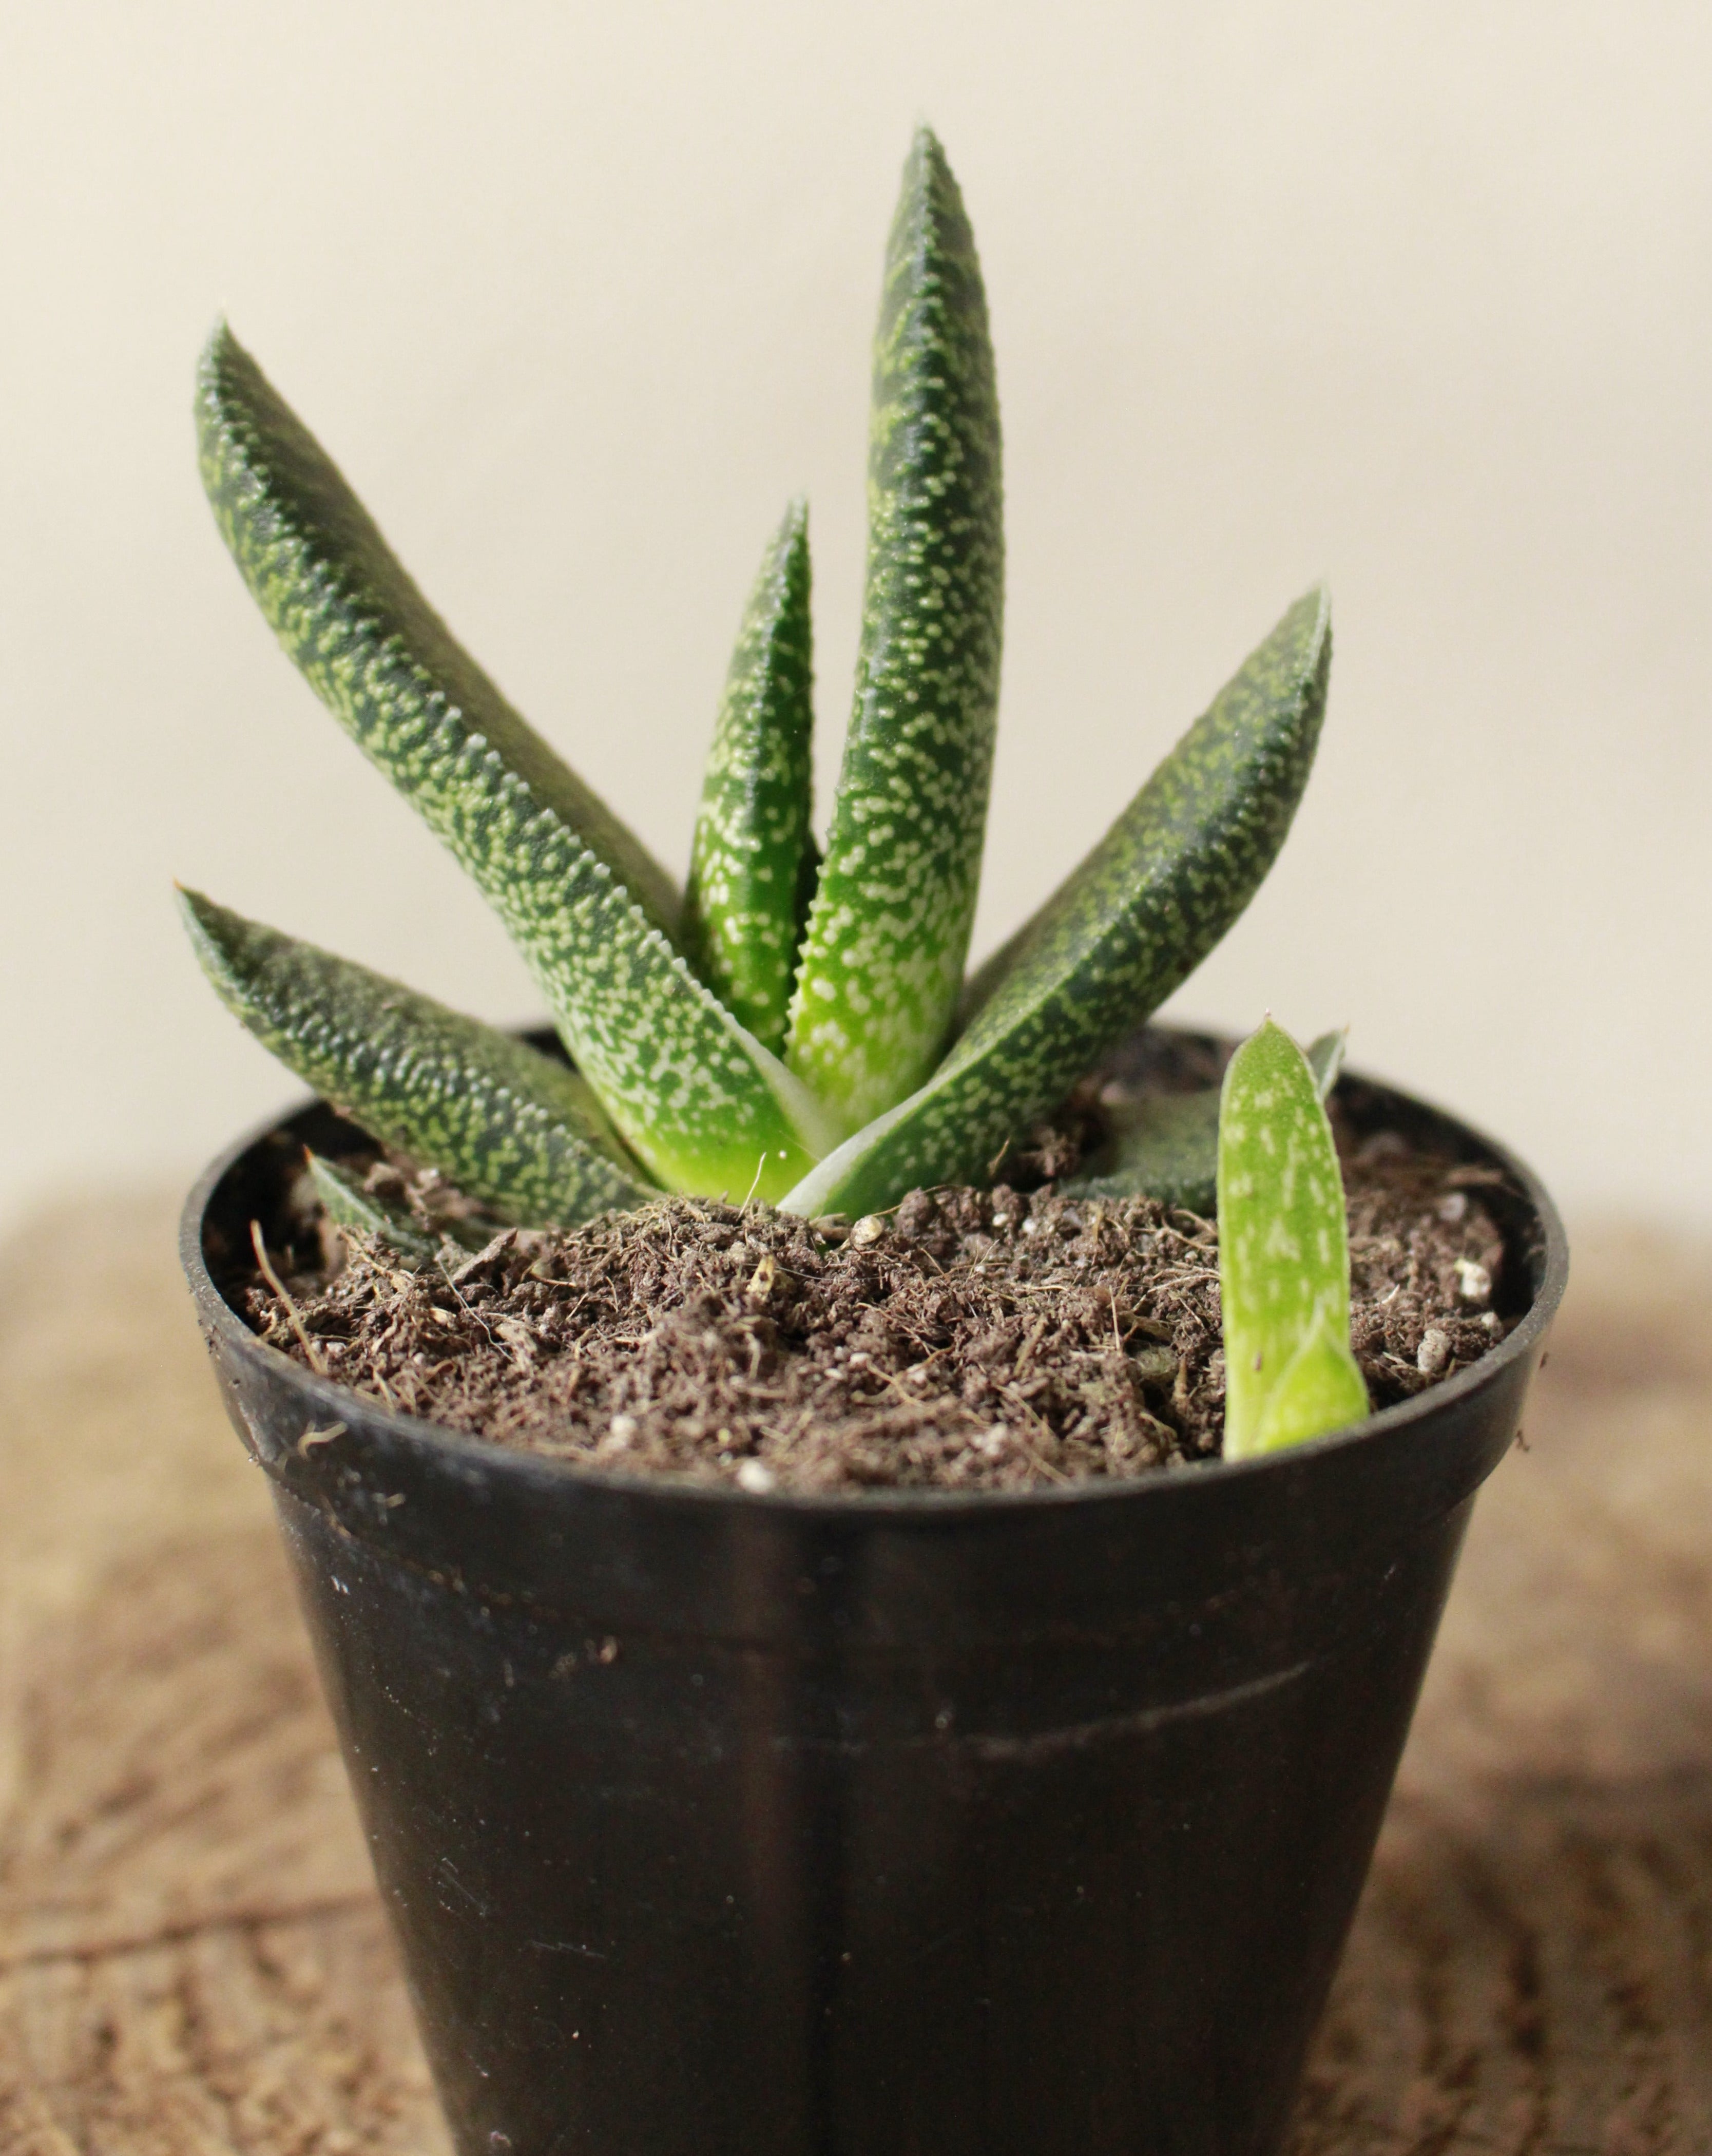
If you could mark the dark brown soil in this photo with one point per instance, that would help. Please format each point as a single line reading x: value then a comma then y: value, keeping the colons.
x: 970, y: 1340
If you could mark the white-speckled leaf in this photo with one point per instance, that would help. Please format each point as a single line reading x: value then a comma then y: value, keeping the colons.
x: 699, y: 1099
x: 1115, y: 939
x: 752, y: 869
x: 506, y: 1124
x: 1166, y: 1144
x: 889, y: 931
x: 1283, y: 1250
x: 1321, y: 1389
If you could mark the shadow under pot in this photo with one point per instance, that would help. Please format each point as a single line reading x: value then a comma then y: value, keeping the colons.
x: 717, y: 1823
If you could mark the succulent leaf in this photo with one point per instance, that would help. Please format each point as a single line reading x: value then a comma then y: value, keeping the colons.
x: 1321, y: 1389
x: 1166, y: 1144
x: 1325, y: 1059
x: 1162, y: 1146
x: 1116, y: 938
x: 505, y: 1124
x: 703, y: 1104
x: 743, y: 905
x: 350, y: 617
x: 347, y: 1205
x: 1283, y: 1254
x: 889, y: 930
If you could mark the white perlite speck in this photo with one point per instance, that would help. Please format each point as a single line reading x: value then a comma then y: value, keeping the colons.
x: 1434, y: 1353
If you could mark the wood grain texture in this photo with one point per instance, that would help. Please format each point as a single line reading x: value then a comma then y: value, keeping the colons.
x: 193, y: 1959
x: 1531, y: 1967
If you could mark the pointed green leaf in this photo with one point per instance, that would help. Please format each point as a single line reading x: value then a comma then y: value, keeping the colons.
x: 702, y: 1103
x: 347, y: 1205
x: 1284, y: 1257
x: 506, y: 1125
x: 742, y: 907
x: 890, y: 926
x: 1116, y: 938
x: 1166, y: 1144
x: 369, y: 644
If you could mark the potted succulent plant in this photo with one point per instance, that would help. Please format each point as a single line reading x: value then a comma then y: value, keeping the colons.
x: 715, y: 1818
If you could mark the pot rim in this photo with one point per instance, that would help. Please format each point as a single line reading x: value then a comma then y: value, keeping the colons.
x: 554, y: 1475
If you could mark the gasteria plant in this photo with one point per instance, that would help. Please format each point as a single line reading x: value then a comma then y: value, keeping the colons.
x: 796, y: 1028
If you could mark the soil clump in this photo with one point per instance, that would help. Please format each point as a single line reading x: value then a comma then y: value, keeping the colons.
x: 969, y: 1339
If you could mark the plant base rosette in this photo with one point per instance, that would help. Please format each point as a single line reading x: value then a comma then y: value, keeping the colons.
x: 999, y: 1825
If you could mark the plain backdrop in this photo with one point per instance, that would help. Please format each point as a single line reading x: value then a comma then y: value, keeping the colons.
x: 1418, y: 298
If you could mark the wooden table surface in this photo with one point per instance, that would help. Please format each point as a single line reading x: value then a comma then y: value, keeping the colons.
x: 192, y: 1955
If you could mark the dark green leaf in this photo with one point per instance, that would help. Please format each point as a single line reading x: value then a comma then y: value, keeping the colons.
x: 505, y: 1124
x: 743, y: 905
x: 374, y: 651
x: 701, y: 1102
x: 1163, y: 1145
x: 890, y: 926
x: 1124, y: 931
x: 347, y: 1205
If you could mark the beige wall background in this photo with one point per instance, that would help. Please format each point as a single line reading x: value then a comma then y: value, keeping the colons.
x: 1416, y: 297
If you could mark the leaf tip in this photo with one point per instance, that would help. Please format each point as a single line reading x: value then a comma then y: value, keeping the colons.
x: 194, y: 906
x: 220, y: 349
x: 1318, y: 597
x: 927, y: 173
x: 216, y: 935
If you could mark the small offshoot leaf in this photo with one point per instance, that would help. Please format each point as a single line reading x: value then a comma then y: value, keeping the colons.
x: 752, y: 869
x: 504, y: 1123
x: 889, y: 931
x: 701, y: 1102
x: 348, y: 1205
x: 1166, y: 1144
x: 1163, y: 1145
x: 1283, y: 1254
x: 1325, y: 1059
x: 1321, y: 1389
x: 1117, y: 937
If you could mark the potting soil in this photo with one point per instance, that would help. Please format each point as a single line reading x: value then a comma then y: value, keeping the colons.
x: 968, y: 1339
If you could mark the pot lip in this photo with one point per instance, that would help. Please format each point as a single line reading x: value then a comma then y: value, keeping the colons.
x: 557, y: 1476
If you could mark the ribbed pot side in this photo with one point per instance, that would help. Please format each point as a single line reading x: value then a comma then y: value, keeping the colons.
x: 719, y: 1824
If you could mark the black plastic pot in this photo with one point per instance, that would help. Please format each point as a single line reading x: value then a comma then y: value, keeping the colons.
x: 719, y: 1824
